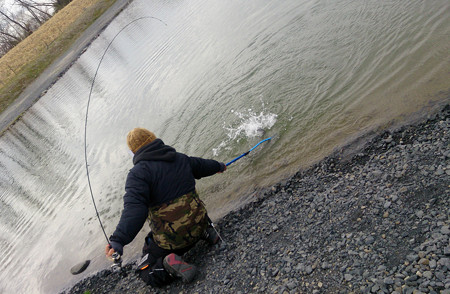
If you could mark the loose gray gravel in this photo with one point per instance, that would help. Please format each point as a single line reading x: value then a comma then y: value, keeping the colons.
x: 378, y: 222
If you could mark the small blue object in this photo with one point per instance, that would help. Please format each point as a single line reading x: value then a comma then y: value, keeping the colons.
x: 244, y: 154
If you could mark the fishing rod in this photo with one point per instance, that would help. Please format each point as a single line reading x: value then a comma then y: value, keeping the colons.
x: 117, y: 259
x: 246, y: 153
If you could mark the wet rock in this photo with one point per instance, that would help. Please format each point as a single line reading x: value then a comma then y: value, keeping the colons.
x: 309, y: 270
x: 427, y: 274
x: 445, y: 230
x: 348, y: 277
x: 412, y: 257
x: 79, y: 268
x: 447, y: 251
x: 291, y: 285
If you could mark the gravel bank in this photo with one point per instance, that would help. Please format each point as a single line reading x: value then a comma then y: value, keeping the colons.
x: 375, y: 223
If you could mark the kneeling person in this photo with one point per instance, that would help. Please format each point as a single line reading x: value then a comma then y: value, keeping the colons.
x: 161, y: 187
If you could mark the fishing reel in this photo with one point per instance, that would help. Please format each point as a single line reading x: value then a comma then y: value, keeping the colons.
x: 117, y: 263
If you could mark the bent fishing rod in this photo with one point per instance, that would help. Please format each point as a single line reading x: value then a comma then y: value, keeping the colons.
x: 117, y: 260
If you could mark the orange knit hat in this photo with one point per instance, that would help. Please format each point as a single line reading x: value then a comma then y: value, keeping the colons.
x: 138, y: 138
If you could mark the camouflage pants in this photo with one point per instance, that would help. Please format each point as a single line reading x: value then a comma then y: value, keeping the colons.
x: 178, y: 223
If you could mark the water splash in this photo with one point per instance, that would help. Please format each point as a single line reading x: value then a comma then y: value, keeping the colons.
x: 250, y: 125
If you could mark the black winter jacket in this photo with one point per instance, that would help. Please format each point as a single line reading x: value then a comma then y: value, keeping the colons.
x: 160, y: 174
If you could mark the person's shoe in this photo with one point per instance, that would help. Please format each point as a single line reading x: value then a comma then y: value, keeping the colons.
x: 211, y: 236
x: 176, y: 266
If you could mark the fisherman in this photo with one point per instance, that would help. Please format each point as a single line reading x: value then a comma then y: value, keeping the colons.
x: 161, y: 187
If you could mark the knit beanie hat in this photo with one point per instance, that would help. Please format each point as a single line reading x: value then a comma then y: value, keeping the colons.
x: 139, y: 137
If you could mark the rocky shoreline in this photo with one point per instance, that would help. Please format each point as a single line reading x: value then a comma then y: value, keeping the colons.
x: 377, y: 222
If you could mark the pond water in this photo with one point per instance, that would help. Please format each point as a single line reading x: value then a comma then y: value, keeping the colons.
x: 211, y: 79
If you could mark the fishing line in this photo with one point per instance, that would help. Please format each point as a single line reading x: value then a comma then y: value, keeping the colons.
x: 87, y: 113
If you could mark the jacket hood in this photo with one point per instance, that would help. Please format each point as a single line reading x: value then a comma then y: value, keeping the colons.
x: 155, y: 151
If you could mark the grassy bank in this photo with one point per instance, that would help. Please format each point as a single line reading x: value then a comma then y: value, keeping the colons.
x: 25, y: 62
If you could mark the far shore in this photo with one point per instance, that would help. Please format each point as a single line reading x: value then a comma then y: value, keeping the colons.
x: 51, y: 74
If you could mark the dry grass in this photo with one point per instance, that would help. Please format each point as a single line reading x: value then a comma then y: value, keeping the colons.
x: 20, y: 66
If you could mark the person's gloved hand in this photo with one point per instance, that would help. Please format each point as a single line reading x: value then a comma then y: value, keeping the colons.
x: 113, y: 247
x: 223, y: 167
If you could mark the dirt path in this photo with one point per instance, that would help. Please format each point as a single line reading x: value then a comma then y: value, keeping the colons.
x: 37, y: 89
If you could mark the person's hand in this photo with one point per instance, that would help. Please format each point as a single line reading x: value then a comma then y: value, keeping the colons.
x: 223, y: 168
x: 112, y: 248
x: 109, y: 251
